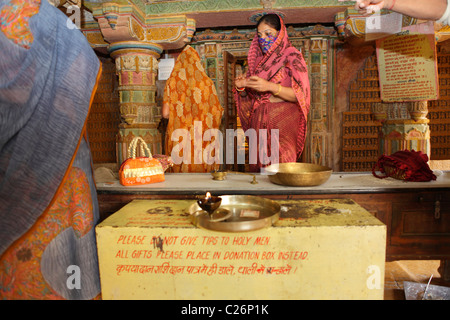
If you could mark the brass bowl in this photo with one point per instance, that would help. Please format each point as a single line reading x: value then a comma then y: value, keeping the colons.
x: 298, y: 174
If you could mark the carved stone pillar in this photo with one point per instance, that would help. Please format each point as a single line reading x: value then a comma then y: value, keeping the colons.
x: 136, y: 66
x: 405, y: 126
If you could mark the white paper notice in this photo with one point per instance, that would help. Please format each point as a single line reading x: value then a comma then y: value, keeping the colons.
x: 165, y: 67
x: 382, y: 25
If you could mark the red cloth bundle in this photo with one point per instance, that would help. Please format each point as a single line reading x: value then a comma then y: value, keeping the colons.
x: 405, y: 165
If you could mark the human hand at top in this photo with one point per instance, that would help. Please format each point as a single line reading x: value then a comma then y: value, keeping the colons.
x: 370, y: 6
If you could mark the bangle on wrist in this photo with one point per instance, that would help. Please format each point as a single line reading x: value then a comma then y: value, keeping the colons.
x: 392, y: 5
x: 240, y: 89
x: 279, y: 90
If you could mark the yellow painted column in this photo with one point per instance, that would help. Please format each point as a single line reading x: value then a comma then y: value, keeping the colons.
x: 404, y: 126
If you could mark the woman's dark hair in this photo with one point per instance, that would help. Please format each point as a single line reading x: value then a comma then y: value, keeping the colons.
x: 272, y: 20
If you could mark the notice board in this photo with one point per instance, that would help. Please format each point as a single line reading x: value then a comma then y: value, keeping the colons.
x: 407, y: 65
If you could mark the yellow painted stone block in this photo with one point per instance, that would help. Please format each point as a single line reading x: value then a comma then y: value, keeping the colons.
x: 319, y: 249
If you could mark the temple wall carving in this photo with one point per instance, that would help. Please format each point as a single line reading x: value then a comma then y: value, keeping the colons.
x: 439, y: 110
x: 104, y: 118
x: 360, y: 132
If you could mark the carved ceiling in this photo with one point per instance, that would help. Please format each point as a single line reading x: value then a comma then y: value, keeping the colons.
x: 170, y: 24
x: 235, y: 13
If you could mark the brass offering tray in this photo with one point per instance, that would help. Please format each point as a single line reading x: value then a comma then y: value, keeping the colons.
x: 298, y: 174
x: 237, y: 213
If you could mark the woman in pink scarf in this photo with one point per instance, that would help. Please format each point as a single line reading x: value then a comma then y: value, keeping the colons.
x: 275, y: 93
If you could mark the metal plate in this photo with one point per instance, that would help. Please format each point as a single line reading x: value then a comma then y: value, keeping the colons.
x: 416, y: 291
x: 219, y: 214
x: 247, y: 213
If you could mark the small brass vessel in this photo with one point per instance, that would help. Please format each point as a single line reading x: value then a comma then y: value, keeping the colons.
x: 221, y: 175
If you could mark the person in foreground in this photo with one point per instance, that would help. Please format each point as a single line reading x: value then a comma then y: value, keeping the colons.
x: 437, y: 10
x: 48, y: 201
x: 275, y: 92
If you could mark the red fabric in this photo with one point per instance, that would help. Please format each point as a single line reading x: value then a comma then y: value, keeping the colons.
x: 406, y: 165
x: 282, y: 64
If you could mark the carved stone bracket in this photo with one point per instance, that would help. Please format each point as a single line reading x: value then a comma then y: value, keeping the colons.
x: 170, y: 32
x: 120, y: 22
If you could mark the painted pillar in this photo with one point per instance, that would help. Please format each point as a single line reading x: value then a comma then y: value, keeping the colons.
x: 405, y: 126
x: 136, y: 67
x: 136, y: 40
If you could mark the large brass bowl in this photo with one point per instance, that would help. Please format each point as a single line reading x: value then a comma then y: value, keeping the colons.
x: 298, y: 174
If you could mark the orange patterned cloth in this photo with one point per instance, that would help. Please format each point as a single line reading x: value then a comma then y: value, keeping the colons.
x: 20, y: 266
x: 194, y: 108
x: 14, y: 21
